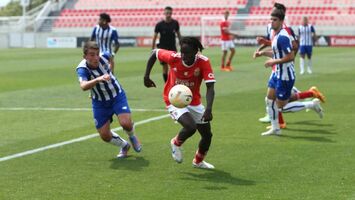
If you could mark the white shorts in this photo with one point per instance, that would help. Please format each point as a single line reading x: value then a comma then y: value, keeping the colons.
x: 227, y: 44
x: 195, y: 111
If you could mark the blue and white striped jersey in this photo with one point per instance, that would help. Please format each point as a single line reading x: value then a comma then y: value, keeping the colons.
x: 102, y: 91
x: 305, y: 34
x: 281, y: 46
x: 105, y: 37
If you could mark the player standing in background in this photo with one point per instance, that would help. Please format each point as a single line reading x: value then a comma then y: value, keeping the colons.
x: 307, y: 36
x: 168, y: 29
x: 105, y: 36
x: 282, y: 81
x: 227, y: 43
x: 188, y: 68
x: 108, y: 98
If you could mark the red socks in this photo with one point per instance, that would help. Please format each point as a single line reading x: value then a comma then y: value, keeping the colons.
x: 304, y: 95
x: 199, y: 156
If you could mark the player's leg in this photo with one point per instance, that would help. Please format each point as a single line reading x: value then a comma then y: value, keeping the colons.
x: 273, y: 112
x: 203, y: 146
x: 112, y: 64
x: 165, y: 71
x: 313, y: 92
x: 122, y: 110
x: 266, y: 118
x: 231, y: 47
x: 189, y: 127
x: 296, y: 106
x: 302, y: 56
x: 309, y: 56
x: 204, y: 128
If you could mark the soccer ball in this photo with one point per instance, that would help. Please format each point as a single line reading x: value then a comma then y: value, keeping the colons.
x: 180, y: 96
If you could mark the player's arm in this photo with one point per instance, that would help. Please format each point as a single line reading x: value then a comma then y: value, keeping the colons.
x: 85, y: 83
x: 155, y: 36
x: 116, y: 42
x: 314, y: 36
x: 178, y: 34
x: 92, y: 38
x: 207, y: 116
x: 151, y: 61
x: 267, y: 53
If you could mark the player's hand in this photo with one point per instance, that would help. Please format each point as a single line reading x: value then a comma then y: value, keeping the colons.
x: 269, y: 63
x: 261, y: 41
x: 148, y: 82
x: 207, y: 116
x: 105, y: 77
x: 257, y: 54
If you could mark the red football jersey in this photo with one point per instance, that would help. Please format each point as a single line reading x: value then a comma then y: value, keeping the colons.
x: 224, y: 35
x: 191, y: 76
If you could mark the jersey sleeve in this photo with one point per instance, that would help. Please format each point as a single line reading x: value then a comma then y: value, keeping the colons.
x: 83, y: 74
x: 107, y: 55
x: 165, y: 55
x: 284, y: 43
x: 177, y: 26
x: 207, y: 72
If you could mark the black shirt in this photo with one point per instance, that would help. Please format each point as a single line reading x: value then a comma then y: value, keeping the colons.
x: 167, y: 31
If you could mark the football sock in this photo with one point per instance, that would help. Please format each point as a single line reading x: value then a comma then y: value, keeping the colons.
x: 304, y: 95
x: 266, y: 106
x: 131, y: 132
x: 310, y: 64
x: 297, y: 106
x: 177, y: 142
x: 117, y: 140
x: 274, y: 114
x: 302, y: 65
x: 281, y: 118
x: 199, y: 156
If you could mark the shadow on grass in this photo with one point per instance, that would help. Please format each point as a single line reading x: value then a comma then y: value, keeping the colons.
x: 309, y: 138
x: 315, y: 131
x: 217, y: 176
x: 311, y: 123
x: 133, y: 163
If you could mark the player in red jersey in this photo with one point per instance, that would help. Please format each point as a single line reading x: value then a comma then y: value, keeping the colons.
x: 189, y: 67
x: 226, y: 43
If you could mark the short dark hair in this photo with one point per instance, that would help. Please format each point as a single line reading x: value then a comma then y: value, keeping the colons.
x: 168, y: 8
x: 105, y: 17
x: 192, y: 42
x: 90, y: 45
x: 280, y: 7
x: 278, y: 13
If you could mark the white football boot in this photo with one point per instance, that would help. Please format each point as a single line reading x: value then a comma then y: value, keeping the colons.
x: 272, y: 132
x: 265, y: 119
x: 317, y: 108
x: 202, y: 165
x: 176, y: 152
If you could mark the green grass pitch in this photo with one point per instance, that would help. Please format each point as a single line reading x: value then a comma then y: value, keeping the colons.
x: 313, y: 159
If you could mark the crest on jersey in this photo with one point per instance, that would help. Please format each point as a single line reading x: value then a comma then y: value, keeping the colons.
x: 197, y: 72
x: 186, y: 73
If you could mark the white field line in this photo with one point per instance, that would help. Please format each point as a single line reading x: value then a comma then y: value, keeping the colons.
x: 29, y: 152
x: 69, y: 109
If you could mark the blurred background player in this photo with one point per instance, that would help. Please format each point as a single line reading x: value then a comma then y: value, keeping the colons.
x: 168, y: 28
x: 105, y: 36
x: 188, y: 68
x: 307, y: 37
x: 227, y: 43
x: 281, y: 84
x: 108, y: 98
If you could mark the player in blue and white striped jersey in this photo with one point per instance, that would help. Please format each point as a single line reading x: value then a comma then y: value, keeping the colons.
x: 106, y: 36
x: 108, y: 98
x: 282, y: 80
x: 307, y: 37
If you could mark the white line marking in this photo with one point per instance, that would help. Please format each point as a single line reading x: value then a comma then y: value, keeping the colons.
x: 25, y: 153
x: 69, y: 109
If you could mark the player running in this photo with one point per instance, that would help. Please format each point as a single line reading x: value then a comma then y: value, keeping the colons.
x: 282, y: 81
x: 189, y: 68
x: 108, y: 98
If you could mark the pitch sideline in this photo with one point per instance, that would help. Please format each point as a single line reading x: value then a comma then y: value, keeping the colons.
x: 33, y: 151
